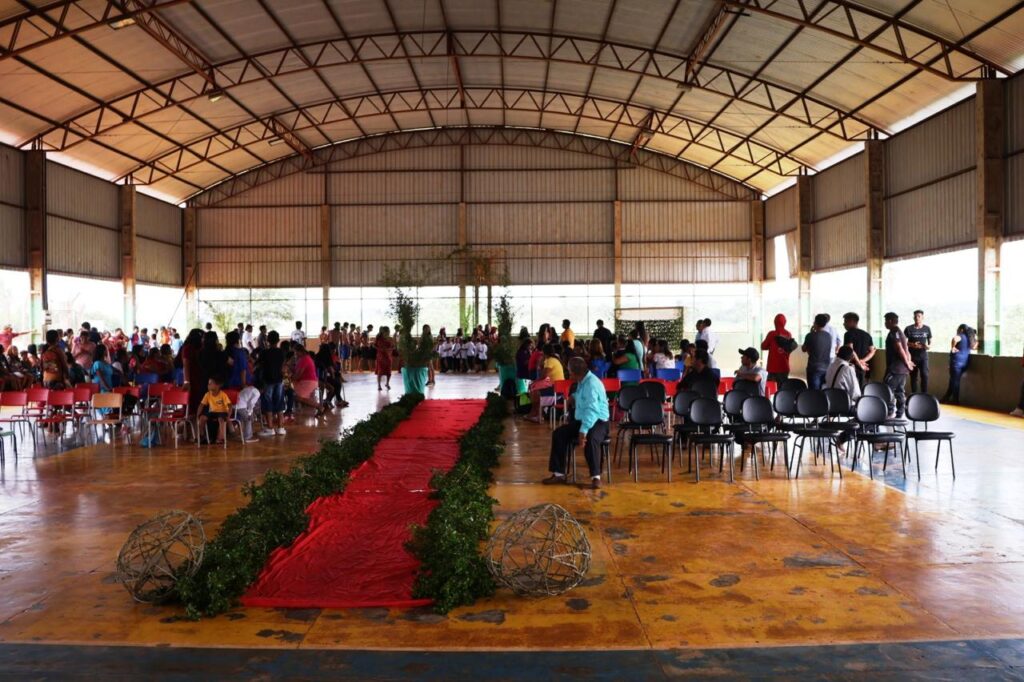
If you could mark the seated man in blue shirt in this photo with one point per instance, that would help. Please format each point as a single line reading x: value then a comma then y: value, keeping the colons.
x: 588, y: 427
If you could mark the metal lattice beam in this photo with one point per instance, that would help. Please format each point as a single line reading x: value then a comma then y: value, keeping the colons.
x: 642, y: 119
x: 616, y: 151
x: 53, y: 21
x: 893, y: 37
x: 764, y: 94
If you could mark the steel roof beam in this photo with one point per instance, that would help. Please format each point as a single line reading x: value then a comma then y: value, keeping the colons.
x: 39, y: 26
x: 766, y: 95
x: 847, y: 20
x: 483, y: 99
x: 532, y: 137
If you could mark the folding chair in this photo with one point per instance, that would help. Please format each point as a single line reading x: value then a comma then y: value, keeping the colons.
x: 174, y: 413
x: 112, y: 402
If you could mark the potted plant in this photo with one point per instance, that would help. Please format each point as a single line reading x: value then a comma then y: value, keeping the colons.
x: 415, y: 353
x: 505, y: 350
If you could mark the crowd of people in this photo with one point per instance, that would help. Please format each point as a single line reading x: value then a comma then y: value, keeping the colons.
x: 284, y: 374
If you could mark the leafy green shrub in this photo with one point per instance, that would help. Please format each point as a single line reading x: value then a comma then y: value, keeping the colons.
x: 276, y: 512
x: 452, y: 570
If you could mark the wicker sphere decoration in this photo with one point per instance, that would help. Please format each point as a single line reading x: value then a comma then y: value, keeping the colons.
x: 539, y: 552
x: 157, y: 552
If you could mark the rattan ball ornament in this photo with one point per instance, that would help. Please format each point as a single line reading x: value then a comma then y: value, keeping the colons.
x: 539, y: 552
x: 157, y: 552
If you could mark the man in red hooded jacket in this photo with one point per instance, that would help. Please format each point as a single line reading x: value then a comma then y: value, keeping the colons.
x: 779, y: 344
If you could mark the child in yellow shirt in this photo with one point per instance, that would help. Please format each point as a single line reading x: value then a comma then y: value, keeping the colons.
x: 215, y: 406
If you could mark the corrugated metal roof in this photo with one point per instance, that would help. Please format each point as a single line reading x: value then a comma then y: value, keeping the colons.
x: 685, y: 221
x: 1015, y: 115
x: 78, y: 249
x: 840, y: 240
x: 385, y: 66
x: 292, y: 226
x: 575, y: 223
x: 936, y: 217
x: 157, y: 262
x: 75, y: 195
x: 432, y: 187
x: 937, y: 147
x: 1015, y: 195
x: 540, y: 185
x: 12, y: 236
x: 840, y: 188
x: 780, y: 213
x: 687, y: 262
x: 12, y: 176
x: 394, y: 225
x: 157, y: 219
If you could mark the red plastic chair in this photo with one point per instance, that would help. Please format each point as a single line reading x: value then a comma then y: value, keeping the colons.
x: 60, y: 407
x: 562, y: 390
x: 16, y: 399
x: 725, y: 385
x: 83, y: 400
x: 173, y: 411
x: 37, y: 398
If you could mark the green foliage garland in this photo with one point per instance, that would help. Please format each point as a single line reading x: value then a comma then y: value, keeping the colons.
x: 276, y: 512
x: 505, y: 350
x: 452, y: 570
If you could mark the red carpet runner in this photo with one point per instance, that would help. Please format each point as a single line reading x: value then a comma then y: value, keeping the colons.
x: 353, y: 554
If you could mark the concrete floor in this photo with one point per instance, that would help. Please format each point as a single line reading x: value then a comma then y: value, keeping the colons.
x: 691, y: 574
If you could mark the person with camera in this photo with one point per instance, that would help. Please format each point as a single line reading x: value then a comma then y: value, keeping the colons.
x: 779, y: 343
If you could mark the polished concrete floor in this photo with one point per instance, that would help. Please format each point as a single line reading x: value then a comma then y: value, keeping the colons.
x: 695, y: 573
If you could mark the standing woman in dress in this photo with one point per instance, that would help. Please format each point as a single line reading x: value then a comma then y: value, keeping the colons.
x: 383, y: 347
x: 189, y: 357
x: 959, y: 355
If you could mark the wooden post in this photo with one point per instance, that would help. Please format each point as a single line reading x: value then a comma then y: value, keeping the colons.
x: 617, y: 254
x: 189, y: 266
x: 990, y: 138
x: 126, y: 221
x: 757, y: 258
x: 35, y: 242
x: 325, y: 261
x: 461, y: 276
x: 874, y: 201
x: 805, y: 240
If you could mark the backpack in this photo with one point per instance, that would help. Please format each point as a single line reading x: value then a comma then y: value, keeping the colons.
x: 786, y: 343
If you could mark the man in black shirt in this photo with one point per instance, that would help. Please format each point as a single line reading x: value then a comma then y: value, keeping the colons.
x: 898, y: 363
x: 818, y: 346
x: 862, y: 344
x: 605, y: 336
x: 919, y: 340
x: 701, y: 372
x: 270, y: 367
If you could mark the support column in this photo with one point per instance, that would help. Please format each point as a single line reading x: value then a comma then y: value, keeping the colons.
x: 325, y: 260
x: 617, y: 254
x: 757, y: 258
x: 805, y: 251
x: 990, y: 138
x: 462, y: 249
x: 189, y: 266
x: 874, y: 201
x: 126, y: 222
x: 35, y: 242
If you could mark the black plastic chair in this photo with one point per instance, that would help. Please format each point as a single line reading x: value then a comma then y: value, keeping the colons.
x: 793, y: 385
x: 647, y: 413
x: 655, y: 390
x: 732, y: 405
x: 839, y: 406
x: 923, y: 408
x: 706, y: 414
x: 812, y: 408
x: 760, y: 421
x: 877, y: 389
x: 606, y: 460
x: 628, y: 395
x: 683, y: 427
x: 785, y: 407
x: 747, y: 386
x: 706, y: 389
x: 872, y: 413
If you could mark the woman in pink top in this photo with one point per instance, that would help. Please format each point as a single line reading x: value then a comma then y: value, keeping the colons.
x: 305, y: 381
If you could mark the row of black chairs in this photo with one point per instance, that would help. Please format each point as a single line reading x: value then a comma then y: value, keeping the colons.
x: 822, y: 419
